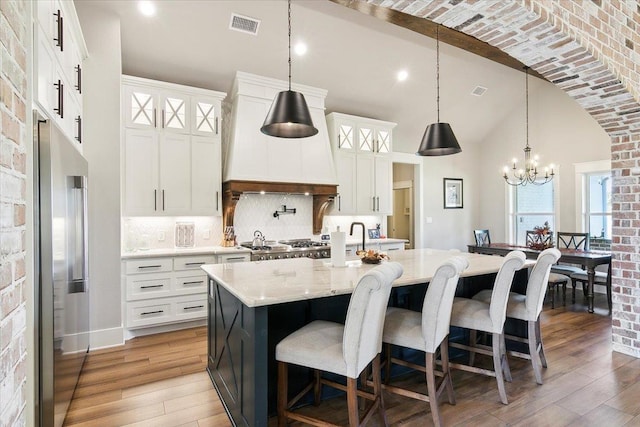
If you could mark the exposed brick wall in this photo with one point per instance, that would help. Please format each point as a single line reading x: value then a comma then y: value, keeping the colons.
x: 13, y: 285
x: 591, y: 50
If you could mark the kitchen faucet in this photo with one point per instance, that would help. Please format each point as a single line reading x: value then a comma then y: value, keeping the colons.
x: 351, y: 231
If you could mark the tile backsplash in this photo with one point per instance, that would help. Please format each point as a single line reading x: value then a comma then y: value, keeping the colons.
x: 139, y: 233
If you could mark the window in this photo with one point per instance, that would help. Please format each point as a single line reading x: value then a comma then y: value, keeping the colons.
x: 532, y: 206
x: 597, y: 205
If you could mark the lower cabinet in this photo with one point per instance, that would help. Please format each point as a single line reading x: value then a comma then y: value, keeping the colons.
x: 376, y: 246
x: 166, y: 290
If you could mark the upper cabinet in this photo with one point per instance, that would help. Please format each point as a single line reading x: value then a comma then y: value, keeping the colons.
x: 171, y: 149
x: 361, y: 148
x: 58, y: 56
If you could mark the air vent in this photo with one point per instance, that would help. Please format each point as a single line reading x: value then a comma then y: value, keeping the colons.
x: 478, y: 91
x: 244, y: 24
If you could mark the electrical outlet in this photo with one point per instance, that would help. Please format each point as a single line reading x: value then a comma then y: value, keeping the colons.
x: 207, y: 234
x: 160, y: 236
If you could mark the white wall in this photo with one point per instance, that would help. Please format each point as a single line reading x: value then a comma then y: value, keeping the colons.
x: 101, y: 98
x: 560, y: 131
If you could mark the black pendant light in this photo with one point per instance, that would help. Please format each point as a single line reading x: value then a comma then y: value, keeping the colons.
x: 438, y: 138
x: 289, y: 115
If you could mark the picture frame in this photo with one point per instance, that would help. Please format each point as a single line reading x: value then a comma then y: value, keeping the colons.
x: 374, y: 233
x: 453, y: 195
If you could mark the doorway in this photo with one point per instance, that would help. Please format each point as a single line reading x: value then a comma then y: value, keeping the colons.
x: 400, y: 225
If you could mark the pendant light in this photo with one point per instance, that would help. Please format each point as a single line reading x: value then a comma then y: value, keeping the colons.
x: 438, y: 138
x: 528, y: 174
x: 289, y: 116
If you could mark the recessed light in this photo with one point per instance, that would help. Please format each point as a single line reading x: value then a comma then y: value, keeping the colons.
x: 147, y: 8
x: 402, y: 75
x: 300, y: 49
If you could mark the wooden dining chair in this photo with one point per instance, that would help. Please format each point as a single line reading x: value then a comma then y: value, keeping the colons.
x: 571, y: 240
x: 482, y: 237
x: 344, y: 350
x: 602, y: 277
x: 535, y: 239
x: 427, y: 332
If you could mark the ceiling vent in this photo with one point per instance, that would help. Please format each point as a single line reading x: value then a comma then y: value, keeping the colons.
x: 478, y: 91
x: 244, y: 24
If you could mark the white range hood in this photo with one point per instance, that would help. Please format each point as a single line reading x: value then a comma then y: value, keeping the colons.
x: 250, y: 155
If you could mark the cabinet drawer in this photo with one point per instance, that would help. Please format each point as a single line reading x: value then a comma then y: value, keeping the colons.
x: 150, y: 265
x: 192, y: 308
x: 191, y: 284
x: 226, y: 258
x: 386, y: 247
x: 148, y: 286
x: 192, y: 263
x: 148, y: 313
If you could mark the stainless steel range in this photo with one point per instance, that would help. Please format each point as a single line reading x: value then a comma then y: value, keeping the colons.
x: 284, y: 249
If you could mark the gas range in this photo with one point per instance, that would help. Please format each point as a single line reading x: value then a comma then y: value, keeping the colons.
x: 285, y: 249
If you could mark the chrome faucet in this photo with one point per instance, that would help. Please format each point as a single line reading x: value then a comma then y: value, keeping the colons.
x: 351, y: 231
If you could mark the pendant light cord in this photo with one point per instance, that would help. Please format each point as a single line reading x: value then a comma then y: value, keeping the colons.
x: 289, y: 18
x: 526, y: 92
x: 438, y: 71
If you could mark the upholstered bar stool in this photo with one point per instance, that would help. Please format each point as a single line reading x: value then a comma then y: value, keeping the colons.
x: 528, y: 308
x: 428, y: 332
x: 341, y: 349
x: 488, y: 317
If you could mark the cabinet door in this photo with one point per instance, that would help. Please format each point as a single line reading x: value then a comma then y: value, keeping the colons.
x: 366, y: 139
x: 206, y: 191
x: 45, y: 68
x: 46, y: 18
x: 383, y: 140
x: 141, y: 153
x: 365, y: 185
x: 140, y: 107
x: 345, y: 134
x: 383, y: 185
x: 175, y: 113
x: 345, y: 203
x: 205, y: 116
x: 175, y: 175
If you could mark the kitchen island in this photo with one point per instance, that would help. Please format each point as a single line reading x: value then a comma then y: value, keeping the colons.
x: 252, y: 306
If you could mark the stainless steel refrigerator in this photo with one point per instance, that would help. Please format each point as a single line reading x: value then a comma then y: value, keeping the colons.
x: 62, y: 268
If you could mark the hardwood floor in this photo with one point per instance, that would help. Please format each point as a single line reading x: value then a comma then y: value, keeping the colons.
x: 160, y: 380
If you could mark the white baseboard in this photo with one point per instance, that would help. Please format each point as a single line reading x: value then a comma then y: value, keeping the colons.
x: 105, y: 338
x: 132, y: 333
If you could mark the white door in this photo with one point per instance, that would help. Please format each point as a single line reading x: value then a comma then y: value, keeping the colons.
x: 365, y: 185
x: 366, y: 139
x: 383, y: 141
x: 140, y: 107
x: 206, y: 191
x: 141, y: 172
x: 175, y: 174
x: 175, y: 113
x: 205, y: 116
x: 384, y: 185
x: 345, y: 203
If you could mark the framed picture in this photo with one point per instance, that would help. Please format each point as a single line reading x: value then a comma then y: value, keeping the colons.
x: 452, y: 188
x: 374, y: 233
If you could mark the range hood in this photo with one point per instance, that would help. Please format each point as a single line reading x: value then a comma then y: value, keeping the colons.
x: 255, y: 162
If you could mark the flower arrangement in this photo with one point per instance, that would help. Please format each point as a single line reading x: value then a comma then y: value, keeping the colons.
x: 542, y: 239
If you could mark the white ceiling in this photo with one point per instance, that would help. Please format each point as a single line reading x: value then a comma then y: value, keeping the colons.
x: 354, y: 56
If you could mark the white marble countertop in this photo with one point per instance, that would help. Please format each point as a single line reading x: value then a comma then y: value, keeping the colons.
x: 261, y: 283
x: 202, y: 250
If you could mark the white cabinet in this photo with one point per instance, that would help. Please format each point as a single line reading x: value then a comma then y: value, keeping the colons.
x: 172, y: 153
x: 361, y: 149
x: 60, y: 50
x: 164, y: 290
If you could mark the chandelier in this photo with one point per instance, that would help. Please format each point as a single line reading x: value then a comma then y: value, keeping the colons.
x: 529, y: 173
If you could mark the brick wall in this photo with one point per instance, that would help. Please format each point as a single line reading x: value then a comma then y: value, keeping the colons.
x: 591, y: 50
x: 13, y: 286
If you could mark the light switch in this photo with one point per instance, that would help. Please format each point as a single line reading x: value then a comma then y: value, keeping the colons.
x: 429, y: 220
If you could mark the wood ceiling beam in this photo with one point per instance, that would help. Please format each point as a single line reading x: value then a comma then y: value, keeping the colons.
x: 428, y: 28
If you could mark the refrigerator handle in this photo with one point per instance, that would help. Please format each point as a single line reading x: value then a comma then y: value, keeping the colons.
x: 78, y: 282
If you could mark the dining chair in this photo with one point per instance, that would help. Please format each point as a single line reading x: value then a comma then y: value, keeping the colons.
x: 602, y: 277
x: 528, y: 308
x: 571, y: 240
x: 428, y: 332
x: 482, y: 237
x: 489, y: 317
x: 534, y: 239
x: 344, y: 350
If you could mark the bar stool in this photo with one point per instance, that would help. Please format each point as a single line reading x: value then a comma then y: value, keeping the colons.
x: 341, y: 349
x: 528, y: 308
x: 488, y: 317
x: 428, y: 332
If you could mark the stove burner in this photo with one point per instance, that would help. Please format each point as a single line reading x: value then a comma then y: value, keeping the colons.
x: 255, y: 248
x: 304, y: 243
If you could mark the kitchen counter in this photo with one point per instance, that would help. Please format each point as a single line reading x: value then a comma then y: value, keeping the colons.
x: 203, y: 250
x: 352, y: 240
x: 254, y: 305
x: 263, y: 283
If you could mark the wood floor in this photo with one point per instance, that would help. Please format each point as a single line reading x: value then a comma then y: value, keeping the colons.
x: 160, y: 380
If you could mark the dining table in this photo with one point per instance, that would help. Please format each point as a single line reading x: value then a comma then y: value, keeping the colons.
x: 588, y: 259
